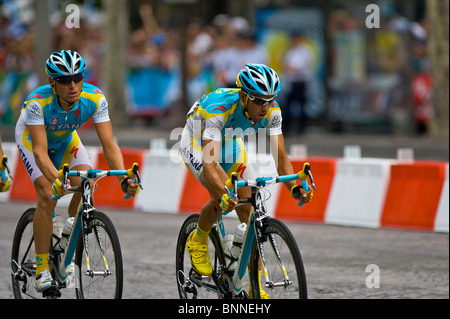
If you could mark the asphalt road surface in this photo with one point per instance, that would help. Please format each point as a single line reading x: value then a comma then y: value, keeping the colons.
x: 340, y: 262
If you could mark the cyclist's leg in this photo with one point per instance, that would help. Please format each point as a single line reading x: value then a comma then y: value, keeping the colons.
x: 234, y: 159
x: 42, y: 230
x: 197, y: 245
x: 191, y: 152
x: 42, y: 222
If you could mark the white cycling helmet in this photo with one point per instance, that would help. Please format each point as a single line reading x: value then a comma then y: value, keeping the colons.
x: 65, y: 63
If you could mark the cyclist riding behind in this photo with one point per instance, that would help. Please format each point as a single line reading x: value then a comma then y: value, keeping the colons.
x: 47, y: 139
x: 212, y: 154
x: 5, y: 181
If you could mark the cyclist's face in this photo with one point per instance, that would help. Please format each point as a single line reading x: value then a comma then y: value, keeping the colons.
x: 257, y: 108
x: 69, y: 92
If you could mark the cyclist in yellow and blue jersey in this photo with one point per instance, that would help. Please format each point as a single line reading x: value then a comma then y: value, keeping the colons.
x: 212, y: 148
x: 47, y: 139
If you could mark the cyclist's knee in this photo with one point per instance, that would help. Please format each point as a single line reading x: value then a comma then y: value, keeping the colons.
x: 46, y: 203
x: 44, y: 194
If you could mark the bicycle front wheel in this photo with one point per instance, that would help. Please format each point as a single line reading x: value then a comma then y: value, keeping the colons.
x: 23, y: 258
x: 287, y: 279
x: 103, y: 279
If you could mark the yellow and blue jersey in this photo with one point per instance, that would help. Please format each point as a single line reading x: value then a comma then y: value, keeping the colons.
x: 219, y: 115
x: 42, y: 108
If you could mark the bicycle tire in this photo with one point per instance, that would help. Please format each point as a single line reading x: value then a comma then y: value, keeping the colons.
x: 291, y: 257
x: 99, y: 287
x: 183, y: 264
x: 23, y: 241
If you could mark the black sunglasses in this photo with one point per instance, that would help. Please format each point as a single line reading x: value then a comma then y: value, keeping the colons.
x: 258, y: 100
x: 68, y: 79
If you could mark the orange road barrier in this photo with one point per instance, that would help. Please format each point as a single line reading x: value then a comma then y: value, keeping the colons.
x: 413, y: 195
x: 323, y: 170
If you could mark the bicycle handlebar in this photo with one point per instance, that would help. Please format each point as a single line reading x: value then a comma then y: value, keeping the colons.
x: 132, y: 172
x: 233, y: 184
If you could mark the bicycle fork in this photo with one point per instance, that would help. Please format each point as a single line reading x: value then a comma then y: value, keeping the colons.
x: 81, y: 225
x: 87, y: 208
x: 260, y: 238
x: 89, y: 271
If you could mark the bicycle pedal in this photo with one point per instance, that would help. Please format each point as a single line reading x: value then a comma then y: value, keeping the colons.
x: 51, y: 293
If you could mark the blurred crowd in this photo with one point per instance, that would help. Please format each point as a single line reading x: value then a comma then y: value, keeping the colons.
x: 222, y: 47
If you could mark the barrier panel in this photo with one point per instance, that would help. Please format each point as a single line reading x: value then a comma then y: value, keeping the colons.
x: 414, y: 194
x: 193, y: 195
x: 21, y: 189
x: 358, y: 192
x: 442, y: 217
x: 323, y: 170
x: 109, y: 193
x: 163, y: 182
x: 352, y: 191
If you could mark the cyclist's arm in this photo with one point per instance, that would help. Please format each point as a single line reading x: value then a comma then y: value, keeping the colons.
x: 284, y: 165
x: 38, y: 137
x: 111, y: 150
x: 113, y: 154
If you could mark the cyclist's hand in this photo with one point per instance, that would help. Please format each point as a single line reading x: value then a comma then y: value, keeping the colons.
x: 227, y: 203
x: 5, y: 181
x: 58, y: 188
x: 298, y: 193
x: 2, y: 166
x: 129, y: 186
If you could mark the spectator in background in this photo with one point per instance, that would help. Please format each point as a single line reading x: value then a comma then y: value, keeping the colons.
x: 298, y: 72
x: 251, y: 50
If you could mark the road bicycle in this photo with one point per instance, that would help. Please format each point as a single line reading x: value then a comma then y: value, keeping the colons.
x: 91, y: 262
x: 268, y: 248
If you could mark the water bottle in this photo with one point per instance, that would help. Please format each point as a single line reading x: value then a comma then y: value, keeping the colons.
x: 239, y: 234
x: 65, y: 234
x: 58, y: 225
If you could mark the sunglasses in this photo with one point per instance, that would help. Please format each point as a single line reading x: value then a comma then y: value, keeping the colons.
x: 260, y: 101
x: 68, y: 79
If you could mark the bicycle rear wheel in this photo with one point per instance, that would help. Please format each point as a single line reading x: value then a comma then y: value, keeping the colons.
x: 105, y: 280
x: 23, y: 258
x: 190, y: 284
x: 278, y: 241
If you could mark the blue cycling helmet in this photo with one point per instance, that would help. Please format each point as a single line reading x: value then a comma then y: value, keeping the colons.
x: 64, y: 63
x: 258, y: 79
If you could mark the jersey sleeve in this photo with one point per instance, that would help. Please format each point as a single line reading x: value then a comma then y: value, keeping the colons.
x: 33, y: 114
x: 102, y: 113
x: 214, y: 125
x: 274, y: 125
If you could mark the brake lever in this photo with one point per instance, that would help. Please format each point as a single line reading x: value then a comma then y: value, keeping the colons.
x: 311, y: 179
x: 138, y: 177
x: 66, y: 175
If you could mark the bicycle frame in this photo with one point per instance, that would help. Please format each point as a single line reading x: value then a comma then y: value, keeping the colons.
x: 254, y: 225
x: 82, y: 217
